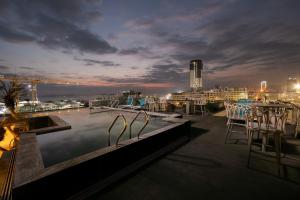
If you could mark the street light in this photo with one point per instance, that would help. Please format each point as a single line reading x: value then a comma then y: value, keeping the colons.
x: 297, y: 86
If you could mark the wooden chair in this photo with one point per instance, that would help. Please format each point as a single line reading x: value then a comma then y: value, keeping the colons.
x: 269, y: 122
x: 296, y: 109
x: 236, y: 117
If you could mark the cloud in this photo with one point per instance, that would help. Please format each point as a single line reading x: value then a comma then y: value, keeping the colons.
x: 141, y: 23
x: 26, y: 68
x: 134, y: 51
x: 104, y: 63
x: 157, y: 76
x: 240, y: 38
x: 235, y: 39
x: 166, y: 73
x: 54, y: 24
x: 13, y: 35
x: 4, y: 68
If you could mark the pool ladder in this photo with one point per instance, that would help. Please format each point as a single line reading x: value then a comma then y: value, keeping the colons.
x: 146, y: 118
x: 112, y: 124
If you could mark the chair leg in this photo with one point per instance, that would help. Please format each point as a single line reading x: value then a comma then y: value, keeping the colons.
x: 227, y: 132
x: 277, y: 139
x: 249, y: 146
x: 285, y: 174
x: 230, y: 131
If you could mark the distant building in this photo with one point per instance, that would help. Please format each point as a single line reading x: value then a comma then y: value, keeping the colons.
x: 196, y: 67
x: 215, y: 95
x: 181, y: 97
x: 234, y: 94
x: 131, y: 93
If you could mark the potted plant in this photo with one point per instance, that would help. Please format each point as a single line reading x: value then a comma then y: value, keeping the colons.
x: 10, y: 92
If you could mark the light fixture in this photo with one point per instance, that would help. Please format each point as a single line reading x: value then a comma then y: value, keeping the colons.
x: 168, y: 96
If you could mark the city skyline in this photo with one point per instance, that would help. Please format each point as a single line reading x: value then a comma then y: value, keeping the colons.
x: 147, y: 45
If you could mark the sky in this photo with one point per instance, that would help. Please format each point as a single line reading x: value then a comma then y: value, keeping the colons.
x: 106, y: 46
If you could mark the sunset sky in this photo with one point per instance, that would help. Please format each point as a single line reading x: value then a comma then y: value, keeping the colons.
x: 111, y: 45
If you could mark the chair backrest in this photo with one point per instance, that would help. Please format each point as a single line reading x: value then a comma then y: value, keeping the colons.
x: 227, y: 105
x: 253, y: 116
x: 129, y: 100
x: 297, y: 120
x: 269, y: 119
x: 237, y: 111
x: 276, y: 119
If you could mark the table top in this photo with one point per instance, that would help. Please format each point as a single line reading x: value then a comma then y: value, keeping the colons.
x: 272, y: 105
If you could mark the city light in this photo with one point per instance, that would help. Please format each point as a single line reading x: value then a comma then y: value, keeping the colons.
x: 263, y: 86
x: 297, y: 86
x: 168, y: 96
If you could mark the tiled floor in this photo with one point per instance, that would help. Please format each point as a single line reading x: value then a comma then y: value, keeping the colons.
x: 206, y: 168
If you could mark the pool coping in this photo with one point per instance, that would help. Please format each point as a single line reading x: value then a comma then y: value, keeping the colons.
x: 59, y: 125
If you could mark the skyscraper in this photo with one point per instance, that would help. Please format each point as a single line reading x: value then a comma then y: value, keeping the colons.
x: 196, y: 67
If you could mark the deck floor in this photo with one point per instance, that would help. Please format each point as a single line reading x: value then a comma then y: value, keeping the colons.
x: 206, y: 168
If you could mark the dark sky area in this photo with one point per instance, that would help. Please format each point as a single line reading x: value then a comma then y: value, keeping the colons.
x: 109, y: 45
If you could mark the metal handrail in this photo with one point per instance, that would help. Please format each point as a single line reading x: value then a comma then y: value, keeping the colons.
x: 112, y: 124
x: 114, y: 104
x: 147, y: 118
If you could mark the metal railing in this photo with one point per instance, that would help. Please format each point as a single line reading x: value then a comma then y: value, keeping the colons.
x: 112, y: 124
x: 146, y: 118
x: 7, y: 183
x: 114, y: 103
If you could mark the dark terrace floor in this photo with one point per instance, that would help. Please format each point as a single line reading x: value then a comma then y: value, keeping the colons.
x: 206, y: 168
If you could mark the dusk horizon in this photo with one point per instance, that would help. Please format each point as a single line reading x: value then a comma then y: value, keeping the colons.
x: 147, y: 46
x: 149, y: 99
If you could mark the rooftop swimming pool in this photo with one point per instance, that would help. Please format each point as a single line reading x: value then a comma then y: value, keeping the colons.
x: 89, y: 132
x: 81, y: 158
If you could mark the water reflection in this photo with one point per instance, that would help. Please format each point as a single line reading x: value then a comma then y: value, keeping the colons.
x: 88, y: 133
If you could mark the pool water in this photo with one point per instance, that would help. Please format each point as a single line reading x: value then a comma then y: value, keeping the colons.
x: 89, y: 132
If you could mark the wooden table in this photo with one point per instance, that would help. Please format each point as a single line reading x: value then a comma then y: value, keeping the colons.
x: 263, y: 105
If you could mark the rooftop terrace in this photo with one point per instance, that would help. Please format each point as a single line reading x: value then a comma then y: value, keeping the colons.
x: 207, y: 168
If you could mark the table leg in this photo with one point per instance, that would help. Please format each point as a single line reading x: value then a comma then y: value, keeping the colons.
x: 264, y: 142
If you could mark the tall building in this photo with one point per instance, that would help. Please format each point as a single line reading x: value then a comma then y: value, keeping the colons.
x: 196, y: 67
